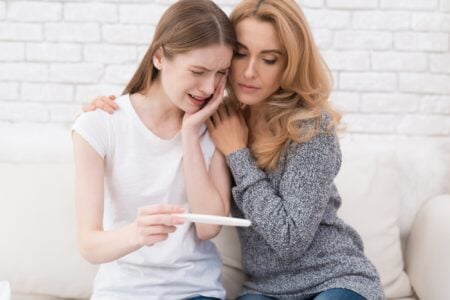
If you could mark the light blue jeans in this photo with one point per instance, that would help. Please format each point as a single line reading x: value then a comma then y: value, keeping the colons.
x: 331, y: 294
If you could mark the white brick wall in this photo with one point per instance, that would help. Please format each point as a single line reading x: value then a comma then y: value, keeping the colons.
x: 390, y: 59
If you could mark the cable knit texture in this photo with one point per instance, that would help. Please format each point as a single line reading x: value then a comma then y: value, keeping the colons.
x: 297, y: 246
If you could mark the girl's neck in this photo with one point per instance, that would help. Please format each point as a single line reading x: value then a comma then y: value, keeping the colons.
x: 157, y: 111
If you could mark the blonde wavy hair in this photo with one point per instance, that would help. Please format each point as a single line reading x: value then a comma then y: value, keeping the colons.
x: 295, y: 111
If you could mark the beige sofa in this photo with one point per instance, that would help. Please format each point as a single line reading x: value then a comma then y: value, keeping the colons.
x: 393, y: 194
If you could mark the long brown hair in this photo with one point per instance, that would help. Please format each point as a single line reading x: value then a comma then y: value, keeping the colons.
x: 184, y: 26
x: 294, y: 112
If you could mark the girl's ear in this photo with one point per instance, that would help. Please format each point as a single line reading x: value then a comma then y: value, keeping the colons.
x: 157, y: 58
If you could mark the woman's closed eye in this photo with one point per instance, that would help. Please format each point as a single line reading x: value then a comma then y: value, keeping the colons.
x: 197, y: 72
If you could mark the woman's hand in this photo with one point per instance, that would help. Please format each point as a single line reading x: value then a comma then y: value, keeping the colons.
x: 228, y: 129
x: 105, y: 103
x: 154, y: 223
x: 192, y: 121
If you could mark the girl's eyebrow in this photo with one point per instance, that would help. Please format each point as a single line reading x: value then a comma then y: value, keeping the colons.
x: 240, y: 45
x: 206, y: 69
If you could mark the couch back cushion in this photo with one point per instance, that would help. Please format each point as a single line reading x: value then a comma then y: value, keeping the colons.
x: 39, y: 251
x: 368, y: 184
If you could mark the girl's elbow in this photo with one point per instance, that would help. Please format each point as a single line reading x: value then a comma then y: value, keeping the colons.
x: 207, y: 232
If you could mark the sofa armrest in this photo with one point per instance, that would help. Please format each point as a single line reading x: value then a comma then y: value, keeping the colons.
x: 427, y: 252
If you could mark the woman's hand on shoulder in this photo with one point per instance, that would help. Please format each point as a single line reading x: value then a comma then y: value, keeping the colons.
x: 105, y: 103
x: 228, y: 129
x: 154, y: 223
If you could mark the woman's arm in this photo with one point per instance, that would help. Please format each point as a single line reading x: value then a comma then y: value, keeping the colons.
x: 287, y: 217
x: 152, y: 225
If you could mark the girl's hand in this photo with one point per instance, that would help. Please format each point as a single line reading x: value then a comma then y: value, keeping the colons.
x: 105, y: 103
x: 154, y: 223
x: 193, y: 121
x: 228, y: 129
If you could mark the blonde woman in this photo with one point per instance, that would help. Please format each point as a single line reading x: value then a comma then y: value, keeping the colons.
x: 135, y: 168
x: 281, y: 147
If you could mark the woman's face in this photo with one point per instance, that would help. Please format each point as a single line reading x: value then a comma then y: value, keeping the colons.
x: 258, y: 64
x: 189, y: 79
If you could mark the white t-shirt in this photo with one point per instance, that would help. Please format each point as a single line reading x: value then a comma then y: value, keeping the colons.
x: 143, y: 169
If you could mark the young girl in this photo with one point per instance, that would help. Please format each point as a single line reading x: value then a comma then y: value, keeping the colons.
x: 284, y: 155
x: 154, y: 158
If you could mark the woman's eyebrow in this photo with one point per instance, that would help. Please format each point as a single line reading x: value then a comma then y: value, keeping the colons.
x: 277, y: 51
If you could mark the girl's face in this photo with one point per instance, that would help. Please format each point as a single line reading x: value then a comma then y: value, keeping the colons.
x: 189, y: 79
x: 258, y: 64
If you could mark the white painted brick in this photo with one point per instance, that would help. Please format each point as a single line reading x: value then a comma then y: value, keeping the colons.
x: 86, y: 93
x: 21, y: 32
x: 34, y: 11
x: 352, y: 4
x: 72, y: 32
x: 388, y: 20
x: 440, y: 63
x: 128, y: 34
x: 373, y: 40
x: 328, y: 19
x: 76, y: 73
x: 136, y: 13
x: 399, y: 61
x: 12, y: 51
x: 141, y: 52
x: 425, y: 125
x: 311, y: 3
x: 435, y: 104
x: 48, y: 92
x: 344, y: 101
x: 10, y: 91
x: 23, y: 72
x: 409, y: 4
x: 119, y: 74
x: 105, y: 53
x: 53, y: 52
x: 91, y: 11
x: 323, y: 38
x: 64, y: 112
x: 445, y: 5
x: 431, y: 22
x: 2, y: 10
x: 13, y: 111
x: 364, y: 81
x: 347, y: 60
x: 335, y: 80
x: 419, y: 41
x: 370, y: 123
x: 389, y: 102
x: 424, y: 83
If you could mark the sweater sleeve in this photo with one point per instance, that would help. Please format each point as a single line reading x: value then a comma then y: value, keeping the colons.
x: 289, y: 216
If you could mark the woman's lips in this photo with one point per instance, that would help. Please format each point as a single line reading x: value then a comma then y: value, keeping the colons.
x: 247, y: 88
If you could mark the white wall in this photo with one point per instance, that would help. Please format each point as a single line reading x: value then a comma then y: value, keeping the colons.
x: 390, y: 60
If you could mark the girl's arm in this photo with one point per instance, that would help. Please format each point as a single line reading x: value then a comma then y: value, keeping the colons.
x: 208, y: 192
x: 152, y: 225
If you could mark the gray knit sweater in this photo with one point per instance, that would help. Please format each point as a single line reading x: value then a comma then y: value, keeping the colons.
x: 297, y: 246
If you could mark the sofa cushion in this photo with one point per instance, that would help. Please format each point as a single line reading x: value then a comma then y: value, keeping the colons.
x: 370, y: 195
x: 39, y: 252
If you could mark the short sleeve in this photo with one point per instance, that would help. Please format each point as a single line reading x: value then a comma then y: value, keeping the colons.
x: 208, y: 147
x: 93, y: 128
